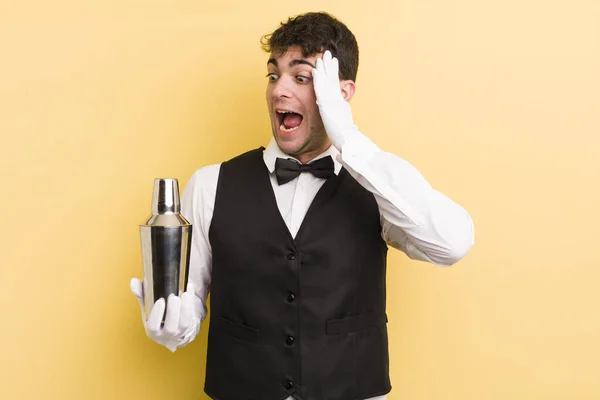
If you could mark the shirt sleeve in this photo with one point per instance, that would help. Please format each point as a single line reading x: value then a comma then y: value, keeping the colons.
x: 416, y: 219
x: 197, y: 205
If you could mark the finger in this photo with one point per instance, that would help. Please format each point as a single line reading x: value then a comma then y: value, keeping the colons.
x: 332, y: 67
x: 320, y: 66
x: 137, y: 289
x: 327, y: 62
x: 171, y: 346
x: 172, y: 317
x: 335, y: 69
x: 316, y: 76
x: 191, y: 287
x: 156, y: 316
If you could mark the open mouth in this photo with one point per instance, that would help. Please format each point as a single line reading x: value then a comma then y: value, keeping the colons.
x: 288, y: 121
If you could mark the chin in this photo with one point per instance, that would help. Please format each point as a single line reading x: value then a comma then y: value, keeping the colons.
x: 288, y: 147
x: 289, y: 144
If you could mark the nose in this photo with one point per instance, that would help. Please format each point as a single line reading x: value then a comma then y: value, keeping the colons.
x: 282, y: 88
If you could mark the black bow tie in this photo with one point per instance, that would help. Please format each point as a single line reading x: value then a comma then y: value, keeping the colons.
x: 286, y: 170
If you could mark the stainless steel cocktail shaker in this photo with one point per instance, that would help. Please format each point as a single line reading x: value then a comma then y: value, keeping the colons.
x: 166, y: 242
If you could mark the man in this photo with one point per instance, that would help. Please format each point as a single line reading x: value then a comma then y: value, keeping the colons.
x: 294, y: 256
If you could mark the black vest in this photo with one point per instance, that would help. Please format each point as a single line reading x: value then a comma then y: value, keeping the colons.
x: 305, y: 316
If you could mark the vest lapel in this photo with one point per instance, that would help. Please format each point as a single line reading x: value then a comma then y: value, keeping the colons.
x: 327, y: 190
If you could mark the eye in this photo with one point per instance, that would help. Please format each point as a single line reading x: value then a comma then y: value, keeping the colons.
x: 302, y: 79
x: 272, y: 77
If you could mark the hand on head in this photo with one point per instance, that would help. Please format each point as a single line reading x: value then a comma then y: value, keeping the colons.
x: 332, y: 100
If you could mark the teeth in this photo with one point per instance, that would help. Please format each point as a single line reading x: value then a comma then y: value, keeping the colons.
x: 283, y: 128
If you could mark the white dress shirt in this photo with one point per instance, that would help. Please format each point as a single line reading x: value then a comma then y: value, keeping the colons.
x: 415, y: 218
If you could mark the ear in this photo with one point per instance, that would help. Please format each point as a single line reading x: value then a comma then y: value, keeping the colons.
x: 348, y: 88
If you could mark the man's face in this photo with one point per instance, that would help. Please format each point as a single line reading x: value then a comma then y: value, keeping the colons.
x: 295, y: 119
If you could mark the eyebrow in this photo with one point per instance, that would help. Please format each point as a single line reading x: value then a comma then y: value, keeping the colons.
x: 293, y: 63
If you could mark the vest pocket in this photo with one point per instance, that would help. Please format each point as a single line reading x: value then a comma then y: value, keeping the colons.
x: 370, y: 359
x: 356, y: 323
x: 238, y: 331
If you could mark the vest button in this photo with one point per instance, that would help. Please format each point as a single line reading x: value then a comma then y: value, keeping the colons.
x: 291, y: 256
x: 289, y: 385
x: 291, y: 298
x: 289, y: 340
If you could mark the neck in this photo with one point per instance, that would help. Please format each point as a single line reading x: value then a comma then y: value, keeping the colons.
x: 309, y: 155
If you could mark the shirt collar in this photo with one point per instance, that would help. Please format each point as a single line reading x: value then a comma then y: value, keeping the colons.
x: 272, y: 152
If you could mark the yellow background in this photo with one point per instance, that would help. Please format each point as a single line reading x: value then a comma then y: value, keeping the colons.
x: 497, y: 103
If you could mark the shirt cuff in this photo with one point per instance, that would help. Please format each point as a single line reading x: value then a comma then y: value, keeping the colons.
x: 357, y: 150
x: 358, y: 153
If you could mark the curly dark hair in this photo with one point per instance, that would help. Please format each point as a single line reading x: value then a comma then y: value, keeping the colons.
x: 316, y: 32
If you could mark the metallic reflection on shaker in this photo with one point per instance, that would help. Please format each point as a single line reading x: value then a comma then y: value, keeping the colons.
x: 166, y: 242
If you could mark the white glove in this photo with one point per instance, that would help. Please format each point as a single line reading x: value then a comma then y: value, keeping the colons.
x: 335, y: 111
x: 182, y: 322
